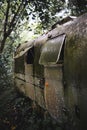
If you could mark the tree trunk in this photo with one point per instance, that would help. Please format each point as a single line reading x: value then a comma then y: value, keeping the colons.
x: 2, y: 44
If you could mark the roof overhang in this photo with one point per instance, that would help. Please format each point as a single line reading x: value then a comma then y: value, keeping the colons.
x: 23, y: 49
x: 51, y: 50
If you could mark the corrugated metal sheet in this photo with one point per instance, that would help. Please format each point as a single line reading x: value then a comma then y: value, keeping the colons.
x: 51, y: 50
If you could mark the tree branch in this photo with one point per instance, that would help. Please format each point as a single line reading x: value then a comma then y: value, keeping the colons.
x: 12, y: 23
x: 14, y: 20
x: 6, y: 18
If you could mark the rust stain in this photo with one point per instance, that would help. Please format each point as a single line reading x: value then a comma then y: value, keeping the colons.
x: 46, y: 84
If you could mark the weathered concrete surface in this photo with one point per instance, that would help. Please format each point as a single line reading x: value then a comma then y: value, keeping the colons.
x: 54, y: 95
x: 75, y: 72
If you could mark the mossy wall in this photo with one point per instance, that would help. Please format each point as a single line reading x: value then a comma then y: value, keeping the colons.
x: 54, y: 96
x: 75, y: 79
x: 19, y: 65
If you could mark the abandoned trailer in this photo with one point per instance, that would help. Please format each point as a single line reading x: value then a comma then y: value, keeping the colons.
x: 52, y: 71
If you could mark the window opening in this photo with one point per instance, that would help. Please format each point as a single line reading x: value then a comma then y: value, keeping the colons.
x: 30, y: 56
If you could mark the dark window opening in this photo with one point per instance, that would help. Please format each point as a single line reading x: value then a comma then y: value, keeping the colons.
x: 19, y: 65
x: 61, y: 59
x: 30, y: 56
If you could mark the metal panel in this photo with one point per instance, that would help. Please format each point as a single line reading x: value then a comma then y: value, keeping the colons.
x: 19, y: 76
x: 30, y: 91
x: 20, y: 84
x: 29, y: 73
x: 39, y: 97
x: 54, y: 96
x: 51, y: 51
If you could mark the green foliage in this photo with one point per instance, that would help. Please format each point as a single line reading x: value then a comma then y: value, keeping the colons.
x: 13, y: 12
x: 47, y: 10
x: 78, y: 7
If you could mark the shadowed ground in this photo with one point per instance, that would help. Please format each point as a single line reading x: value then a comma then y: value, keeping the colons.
x: 16, y: 113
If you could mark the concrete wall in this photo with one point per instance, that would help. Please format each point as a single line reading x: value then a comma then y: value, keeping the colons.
x: 54, y: 95
x: 75, y: 76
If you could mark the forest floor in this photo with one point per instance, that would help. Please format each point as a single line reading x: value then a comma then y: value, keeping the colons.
x: 16, y: 113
